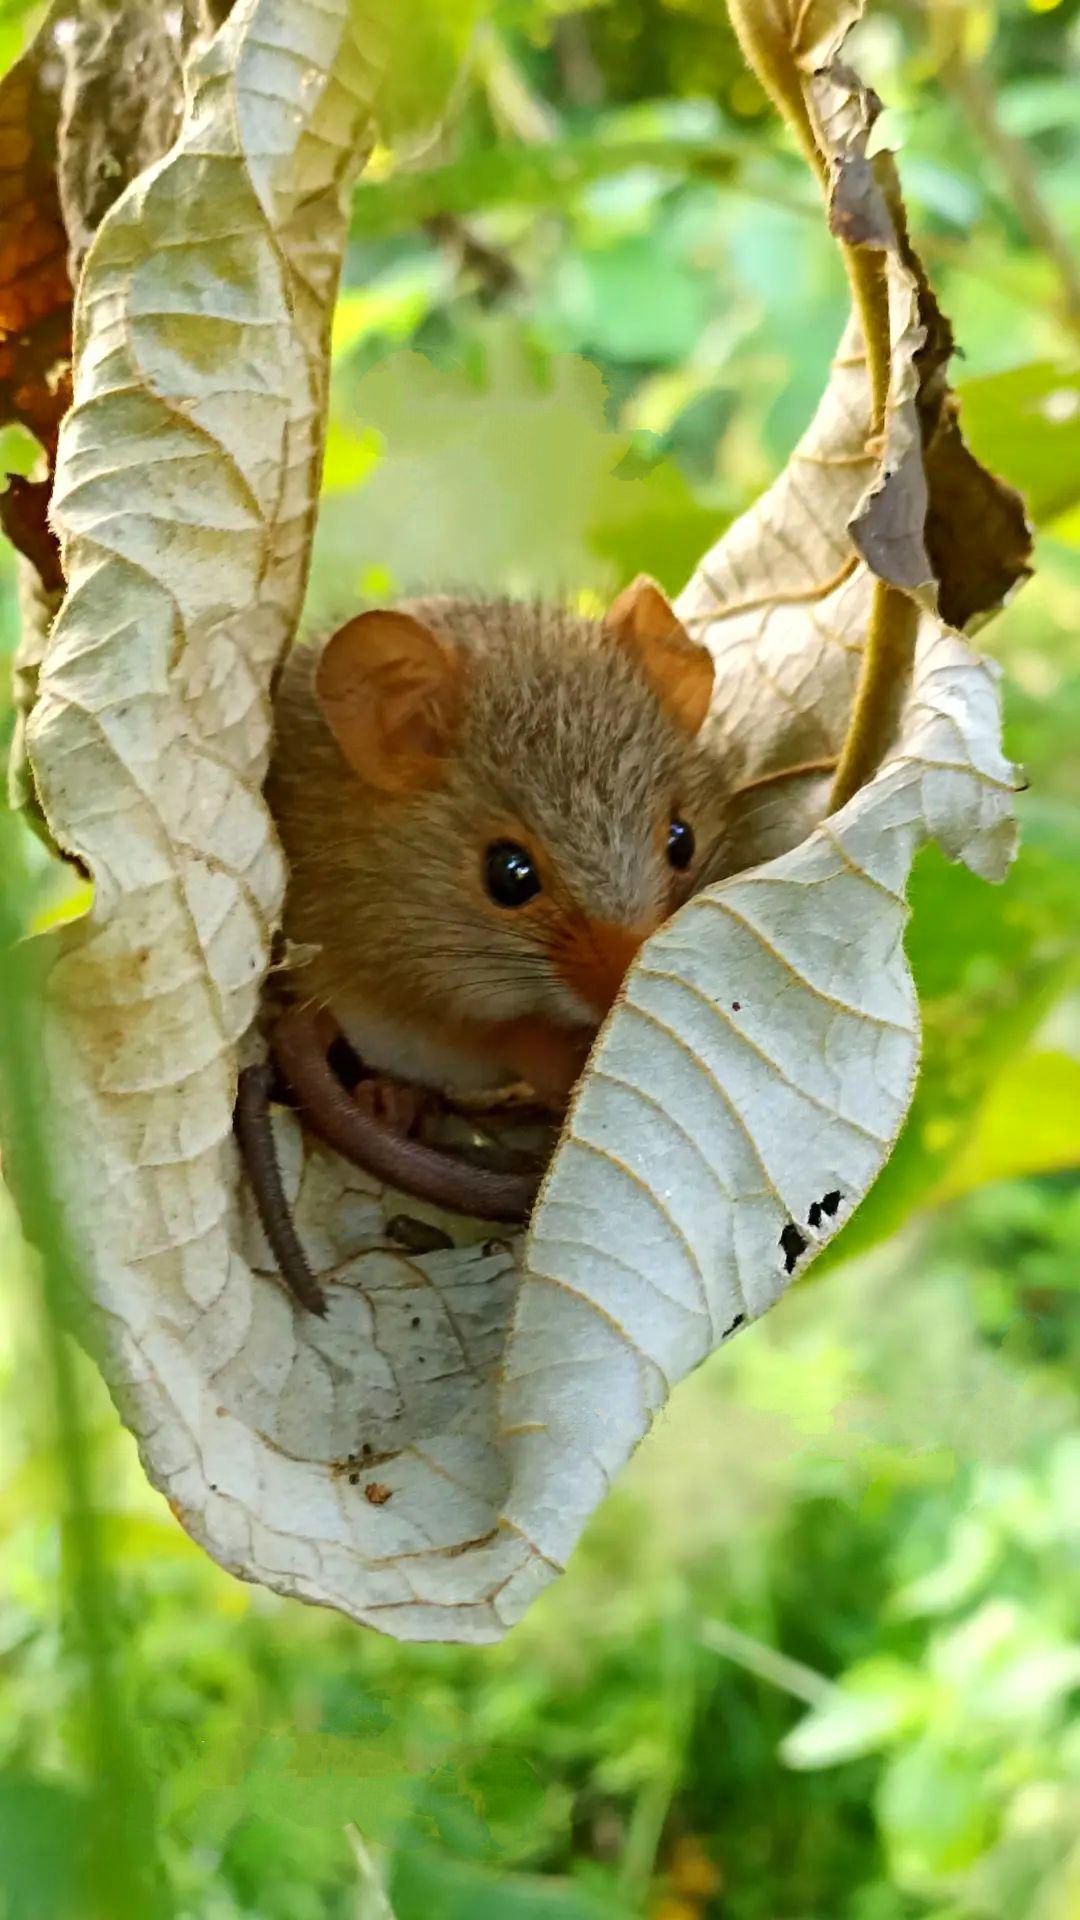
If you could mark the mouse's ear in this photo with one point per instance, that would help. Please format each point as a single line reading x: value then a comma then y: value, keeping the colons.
x: 390, y: 691
x: 679, y: 671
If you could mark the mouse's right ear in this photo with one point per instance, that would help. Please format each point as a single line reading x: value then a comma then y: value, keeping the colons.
x: 679, y: 670
x: 390, y: 692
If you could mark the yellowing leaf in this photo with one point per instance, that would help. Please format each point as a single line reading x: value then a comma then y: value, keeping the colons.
x: 1028, y: 1123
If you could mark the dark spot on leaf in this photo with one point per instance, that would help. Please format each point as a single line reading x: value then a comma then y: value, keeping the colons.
x: 354, y: 1479
x: 793, y: 1243
x: 737, y: 1322
x: 417, y: 1236
x: 415, y: 1321
x: 813, y: 1218
x: 736, y: 1006
x: 831, y: 1202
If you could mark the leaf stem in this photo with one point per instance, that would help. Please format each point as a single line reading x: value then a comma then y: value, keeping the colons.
x: 889, y: 646
x: 883, y: 676
x: 763, y: 28
x: 870, y: 293
x: 768, y: 1663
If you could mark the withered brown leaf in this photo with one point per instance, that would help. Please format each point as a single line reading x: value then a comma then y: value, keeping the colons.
x: 95, y: 99
x: 35, y: 287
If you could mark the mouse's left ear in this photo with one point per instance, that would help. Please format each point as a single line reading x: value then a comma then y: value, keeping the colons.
x: 679, y: 671
x: 389, y: 690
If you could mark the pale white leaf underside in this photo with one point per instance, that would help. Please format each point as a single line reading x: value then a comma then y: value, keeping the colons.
x: 426, y: 1457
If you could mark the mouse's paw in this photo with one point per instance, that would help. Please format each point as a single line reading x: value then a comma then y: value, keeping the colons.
x: 398, y: 1108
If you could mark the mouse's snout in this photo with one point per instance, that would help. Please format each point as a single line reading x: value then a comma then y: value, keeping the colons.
x: 594, y: 955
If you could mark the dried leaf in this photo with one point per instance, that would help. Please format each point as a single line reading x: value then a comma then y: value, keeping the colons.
x: 783, y: 598
x: 425, y: 1458
x: 753, y: 1079
x: 94, y: 100
x: 24, y: 517
x: 934, y: 518
x: 35, y: 291
x: 121, y: 107
x: 744, y: 1095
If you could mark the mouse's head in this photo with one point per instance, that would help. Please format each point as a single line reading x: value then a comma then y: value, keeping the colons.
x: 536, y: 800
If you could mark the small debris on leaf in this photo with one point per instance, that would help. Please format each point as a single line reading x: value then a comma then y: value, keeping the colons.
x: 417, y: 1236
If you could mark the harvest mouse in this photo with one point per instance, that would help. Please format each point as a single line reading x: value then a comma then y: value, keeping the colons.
x: 486, y: 808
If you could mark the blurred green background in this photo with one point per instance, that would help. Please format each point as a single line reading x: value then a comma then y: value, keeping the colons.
x: 818, y: 1657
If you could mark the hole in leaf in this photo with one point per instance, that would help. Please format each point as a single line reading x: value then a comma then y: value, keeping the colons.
x: 793, y: 1243
x: 829, y: 1203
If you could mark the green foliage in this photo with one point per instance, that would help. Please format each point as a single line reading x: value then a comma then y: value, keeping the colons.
x: 822, y: 1641
x: 1027, y: 422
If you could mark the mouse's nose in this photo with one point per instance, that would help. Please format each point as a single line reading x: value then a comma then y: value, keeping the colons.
x: 596, y: 958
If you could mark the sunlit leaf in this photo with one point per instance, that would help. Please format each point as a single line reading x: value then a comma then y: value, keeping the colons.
x: 1028, y: 1123
x: 972, y: 1553
x: 936, y: 1812
x: 878, y: 1701
x: 1028, y: 421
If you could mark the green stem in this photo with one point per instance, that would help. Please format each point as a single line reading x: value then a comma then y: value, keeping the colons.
x: 763, y: 30
x: 869, y: 284
x: 678, y: 1673
x: 790, y: 1676
x: 889, y: 648
x: 121, y: 1867
x: 883, y: 677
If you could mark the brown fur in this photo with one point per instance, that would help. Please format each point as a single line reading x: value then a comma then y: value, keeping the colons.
x: 561, y: 745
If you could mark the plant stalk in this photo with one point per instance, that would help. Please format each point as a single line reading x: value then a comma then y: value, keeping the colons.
x: 763, y: 28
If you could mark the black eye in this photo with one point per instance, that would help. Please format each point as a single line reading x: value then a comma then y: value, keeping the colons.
x: 680, y: 844
x: 509, y: 874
